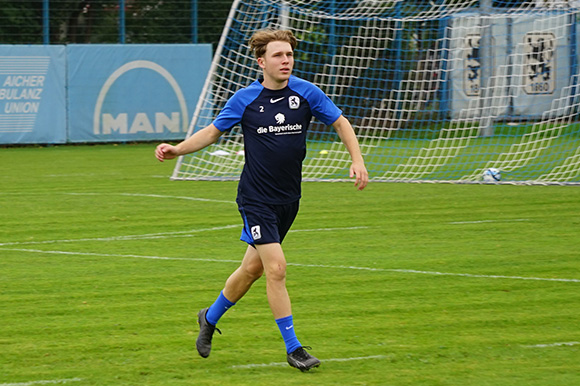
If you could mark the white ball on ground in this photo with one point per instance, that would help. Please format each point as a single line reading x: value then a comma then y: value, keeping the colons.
x: 491, y: 175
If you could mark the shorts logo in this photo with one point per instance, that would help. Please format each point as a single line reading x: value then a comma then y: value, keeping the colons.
x: 294, y: 102
x: 256, y: 233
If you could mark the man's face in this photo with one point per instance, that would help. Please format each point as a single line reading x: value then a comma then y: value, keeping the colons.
x: 277, y: 62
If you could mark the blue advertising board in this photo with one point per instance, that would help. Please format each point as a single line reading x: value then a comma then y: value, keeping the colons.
x: 32, y: 94
x: 134, y: 92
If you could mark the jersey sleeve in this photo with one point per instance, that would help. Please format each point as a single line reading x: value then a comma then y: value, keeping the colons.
x: 230, y: 115
x: 235, y: 107
x: 322, y: 107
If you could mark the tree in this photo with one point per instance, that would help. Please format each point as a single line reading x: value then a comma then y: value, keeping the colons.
x: 20, y: 22
x: 97, y: 21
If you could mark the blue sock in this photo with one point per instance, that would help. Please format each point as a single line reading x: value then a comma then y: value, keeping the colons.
x: 217, y: 309
x: 286, y: 326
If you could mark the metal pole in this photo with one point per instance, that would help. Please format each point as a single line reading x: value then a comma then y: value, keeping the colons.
x: 510, y: 29
x: 443, y: 57
x: 573, y: 60
x: 194, y: 22
x: 209, y: 79
x: 122, y: 21
x: 486, y: 60
x: 332, y: 48
x: 398, y: 67
x: 45, y: 22
x: 284, y: 16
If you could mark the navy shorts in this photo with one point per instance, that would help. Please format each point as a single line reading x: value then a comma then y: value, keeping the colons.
x: 266, y: 223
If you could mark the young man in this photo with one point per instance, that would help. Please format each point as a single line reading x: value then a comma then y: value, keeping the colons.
x: 274, y: 113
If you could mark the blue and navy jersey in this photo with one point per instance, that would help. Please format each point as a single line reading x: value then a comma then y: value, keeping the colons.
x: 274, y: 124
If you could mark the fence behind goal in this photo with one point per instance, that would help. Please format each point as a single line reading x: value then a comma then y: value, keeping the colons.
x: 436, y: 92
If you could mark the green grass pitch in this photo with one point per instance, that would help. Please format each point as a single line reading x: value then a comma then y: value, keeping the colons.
x: 104, y: 263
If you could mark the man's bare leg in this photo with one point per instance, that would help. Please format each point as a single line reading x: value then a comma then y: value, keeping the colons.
x: 274, y: 264
x: 242, y: 279
x: 236, y: 287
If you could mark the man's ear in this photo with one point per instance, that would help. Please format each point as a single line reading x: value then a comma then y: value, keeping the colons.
x: 261, y: 62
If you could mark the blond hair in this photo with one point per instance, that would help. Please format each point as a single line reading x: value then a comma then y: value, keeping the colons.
x: 261, y: 38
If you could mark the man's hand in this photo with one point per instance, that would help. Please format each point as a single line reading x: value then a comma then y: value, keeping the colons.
x: 359, y: 171
x: 196, y: 142
x: 165, y: 151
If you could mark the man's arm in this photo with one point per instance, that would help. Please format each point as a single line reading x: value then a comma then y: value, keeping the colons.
x: 348, y: 137
x: 196, y: 142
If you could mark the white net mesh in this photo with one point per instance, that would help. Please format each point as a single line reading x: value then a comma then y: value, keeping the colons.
x: 437, y: 91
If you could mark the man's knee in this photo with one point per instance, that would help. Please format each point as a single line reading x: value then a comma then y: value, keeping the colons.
x: 254, y: 270
x: 273, y: 260
x: 276, y: 271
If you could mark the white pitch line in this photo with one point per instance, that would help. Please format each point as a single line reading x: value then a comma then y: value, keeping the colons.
x: 552, y: 345
x: 49, y: 382
x: 152, y: 196
x: 117, y: 255
x: 486, y: 276
x: 434, y: 273
x: 437, y: 273
x: 162, y: 235
x: 326, y: 229
x: 275, y: 364
x: 489, y: 221
x: 123, y: 194
x: 128, y: 237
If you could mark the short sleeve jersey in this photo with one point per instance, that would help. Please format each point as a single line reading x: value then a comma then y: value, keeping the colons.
x: 274, y: 124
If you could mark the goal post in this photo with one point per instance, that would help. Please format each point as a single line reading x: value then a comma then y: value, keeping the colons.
x: 437, y: 91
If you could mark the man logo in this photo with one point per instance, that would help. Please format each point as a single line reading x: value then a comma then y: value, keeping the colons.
x: 256, y: 233
x: 294, y: 102
x: 141, y: 122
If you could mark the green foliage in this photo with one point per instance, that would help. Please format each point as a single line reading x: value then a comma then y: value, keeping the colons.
x: 105, y: 262
x: 97, y: 21
x: 20, y: 23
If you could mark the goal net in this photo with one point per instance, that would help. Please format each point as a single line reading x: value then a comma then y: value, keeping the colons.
x: 437, y: 91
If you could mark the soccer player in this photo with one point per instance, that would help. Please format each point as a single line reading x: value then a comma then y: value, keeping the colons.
x: 274, y: 112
